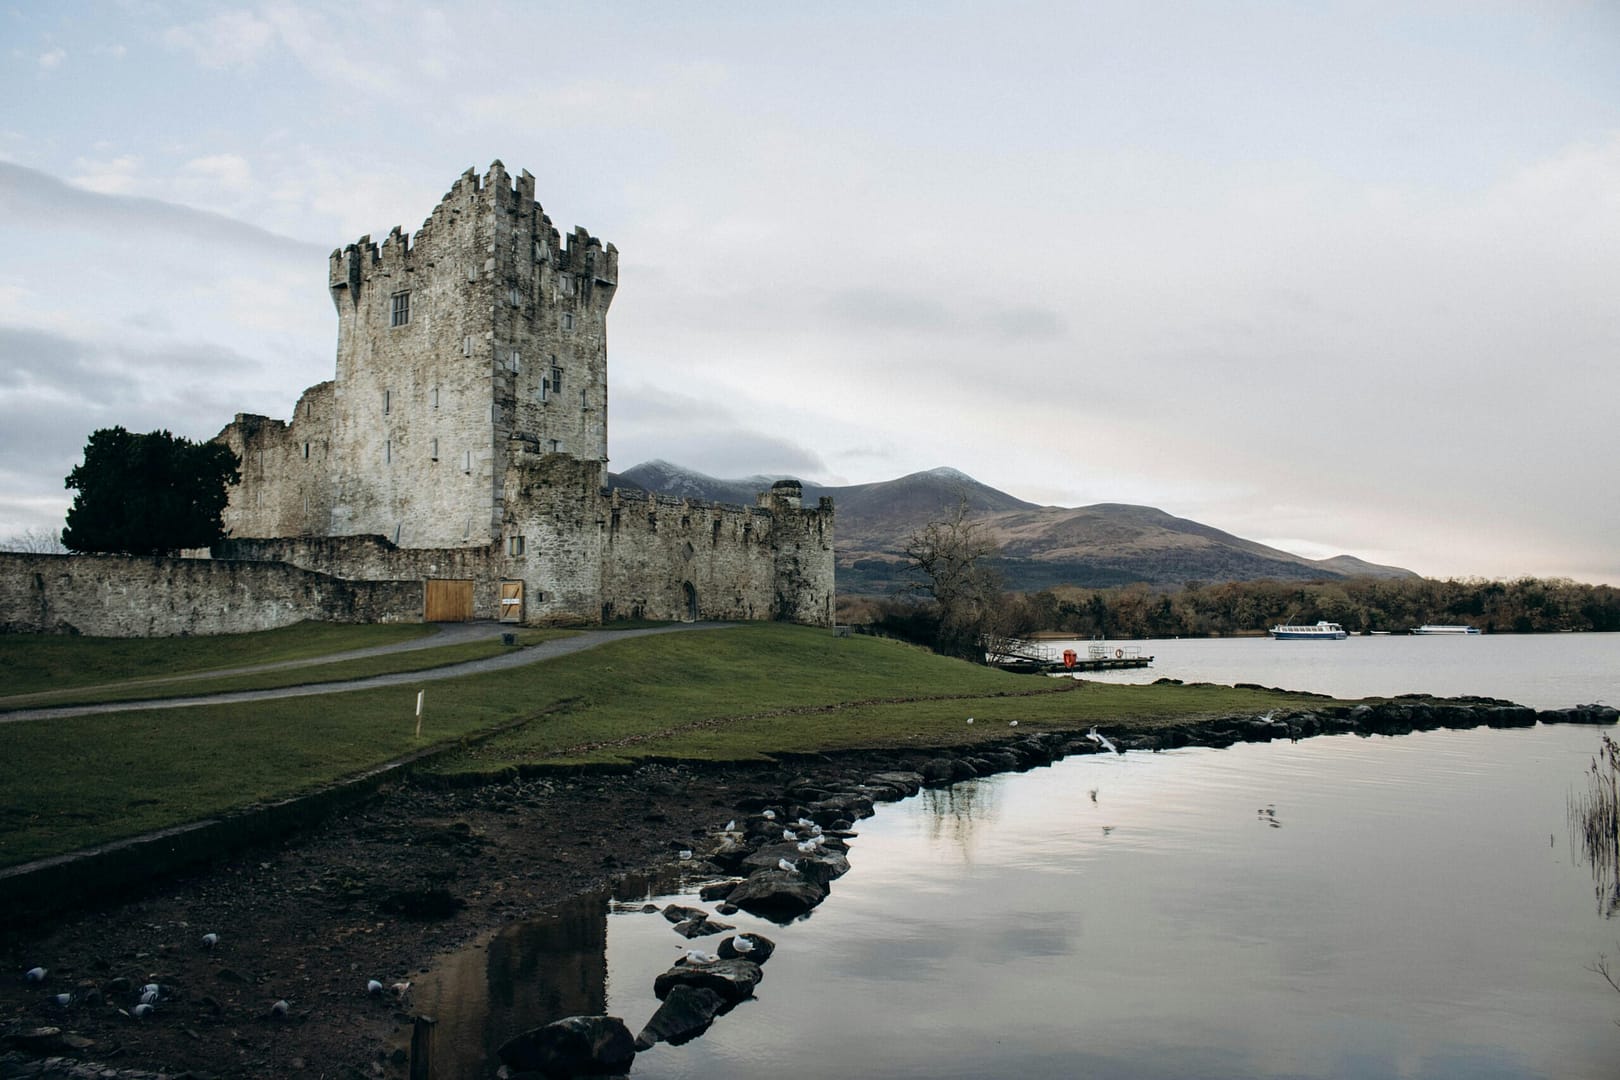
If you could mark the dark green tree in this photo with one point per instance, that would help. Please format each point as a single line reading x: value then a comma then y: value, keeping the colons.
x: 150, y: 494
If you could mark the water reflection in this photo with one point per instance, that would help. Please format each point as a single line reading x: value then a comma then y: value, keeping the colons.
x: 1594, y: 824
x: 1411, y: 920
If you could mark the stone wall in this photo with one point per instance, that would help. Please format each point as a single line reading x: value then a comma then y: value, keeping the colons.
x: 127, y: 596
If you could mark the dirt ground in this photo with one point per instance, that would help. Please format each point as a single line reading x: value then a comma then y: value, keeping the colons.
x: 376, y: 893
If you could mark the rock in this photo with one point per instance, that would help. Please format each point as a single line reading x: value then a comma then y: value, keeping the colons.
x: 777, y: 895
x: 686, y: 1013
x: 48, y: 1041
x: 761, y: 952
x: 588, y: 1045
x: 676, y: 913
x: 730, y: 851
x: 732, y: 980
x: 701, y: 926
x: 718, y: 890
x: 909, y: 782
x: 423, y: 903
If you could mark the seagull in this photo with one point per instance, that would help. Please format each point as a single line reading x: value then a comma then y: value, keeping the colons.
x: 1012, y: 723
x: 149, y: 997
x: 1265, y: 717
x: 686, y: 853
x: 970, y: 719
x: 401, y: 989
x: 805, y: 823
x: 210, y: 940
x: 806, y: 847
x: 770, y: 815
x: 64, y: 1000
x: 280, y: 1008
x: 731, y: 826
x: 1100, y: 740
x: 140, y: 1011
x: 698, y: 956
x: 373, y: 986
x: 36, y: 974
x: 791, y: 868
x: 743, y: 944
x: 789, y: 834
x: 815, y: 830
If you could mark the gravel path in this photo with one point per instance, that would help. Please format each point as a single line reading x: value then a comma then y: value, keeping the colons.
x: 533, y: 654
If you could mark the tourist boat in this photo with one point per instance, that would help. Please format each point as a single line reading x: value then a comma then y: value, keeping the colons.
x: 1330, y: 631
x: 1431, y: 628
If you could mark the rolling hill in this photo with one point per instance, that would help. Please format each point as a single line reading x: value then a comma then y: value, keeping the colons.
x: 1041, y: 546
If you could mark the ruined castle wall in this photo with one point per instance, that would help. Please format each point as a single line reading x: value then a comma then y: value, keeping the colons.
x: 802, y: 543
x: 374, y: 558
x: 285, y: 488
x: 137, y: 596
x: 556, y: 516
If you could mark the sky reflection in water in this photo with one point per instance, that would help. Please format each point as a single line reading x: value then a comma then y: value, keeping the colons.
x: 1412, y: 909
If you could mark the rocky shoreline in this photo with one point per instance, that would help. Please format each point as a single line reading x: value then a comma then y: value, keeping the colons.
x: 379, y: 891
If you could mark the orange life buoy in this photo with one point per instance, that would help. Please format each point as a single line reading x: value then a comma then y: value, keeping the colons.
x: 1069, y: 657
x: 1119, y: 654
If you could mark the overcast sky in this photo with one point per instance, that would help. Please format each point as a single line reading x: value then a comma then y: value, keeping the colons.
x: 1338, y: 277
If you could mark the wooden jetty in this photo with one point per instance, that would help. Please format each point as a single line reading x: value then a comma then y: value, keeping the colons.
x: 1028, y: 658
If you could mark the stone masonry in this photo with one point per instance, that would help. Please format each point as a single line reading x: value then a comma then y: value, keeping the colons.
x: 465, y: 437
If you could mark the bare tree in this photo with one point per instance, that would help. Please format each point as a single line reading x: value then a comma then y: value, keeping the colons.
x: 952, y: 561
x: 34, y: 541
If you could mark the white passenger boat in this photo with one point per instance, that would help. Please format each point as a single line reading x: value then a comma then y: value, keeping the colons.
x: 1329, y: 631
x: 1430, y: 628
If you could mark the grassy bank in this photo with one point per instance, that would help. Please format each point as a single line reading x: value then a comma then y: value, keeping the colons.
x: 305, y: 674
x: 721, y: 695
x: 38, y: 662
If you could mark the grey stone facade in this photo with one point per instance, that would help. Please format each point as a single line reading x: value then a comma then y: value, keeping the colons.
x: 465, y: 437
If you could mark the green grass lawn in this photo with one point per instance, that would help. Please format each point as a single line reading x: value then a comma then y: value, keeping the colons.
x: 39, y: 662
x: 337, y: 671
x: 732, y: 694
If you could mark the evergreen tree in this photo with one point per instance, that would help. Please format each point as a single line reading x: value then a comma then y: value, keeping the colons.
x: 150, y: 494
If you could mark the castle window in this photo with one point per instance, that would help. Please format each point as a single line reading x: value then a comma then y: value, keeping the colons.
x: 652, y: 522
x: 466, y: 461
x: 614, y: 523
x: 568, y: 320
x: 388, y: 450
x: 556, y: 380
x: 715, y: 538
x: 514, y: 296
x: 556, y: 446
x: 435, y: 451
x: 388, y: 401
x: 435, y: 397
x: 514, y: 545
x: 467, y: 345
x: 306, y: 451
x: 565, y: 285
x: 582, y: 405
x: 516, y: 362
x: 399, y: 310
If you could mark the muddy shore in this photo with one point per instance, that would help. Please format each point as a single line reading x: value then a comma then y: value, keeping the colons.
x: 378, y: 892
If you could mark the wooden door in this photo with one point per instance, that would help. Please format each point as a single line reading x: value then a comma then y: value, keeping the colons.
x: 512, y: 601
x: 448, y: 600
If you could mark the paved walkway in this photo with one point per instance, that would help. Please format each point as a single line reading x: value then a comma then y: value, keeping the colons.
x: 532, y: 654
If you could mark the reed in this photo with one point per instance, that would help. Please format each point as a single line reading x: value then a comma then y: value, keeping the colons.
x: 1594, y: 823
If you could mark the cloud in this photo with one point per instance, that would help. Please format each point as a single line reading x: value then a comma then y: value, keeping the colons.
x: 650, y: 423
x: 230, y: 39
x: 27, y: 194
x: 51, y: 60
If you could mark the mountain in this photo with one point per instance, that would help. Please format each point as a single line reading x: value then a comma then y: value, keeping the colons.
x: 1041, y: 546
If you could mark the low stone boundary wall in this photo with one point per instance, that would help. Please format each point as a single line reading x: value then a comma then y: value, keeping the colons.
x: 136, y: 596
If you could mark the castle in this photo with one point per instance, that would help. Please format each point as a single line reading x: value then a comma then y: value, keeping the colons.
x: 463, y: 442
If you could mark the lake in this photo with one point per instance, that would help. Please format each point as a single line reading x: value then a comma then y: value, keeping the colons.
x: 1543, y: 671
x: 1341, y: 906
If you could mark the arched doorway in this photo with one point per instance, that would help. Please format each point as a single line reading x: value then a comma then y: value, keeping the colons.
x: 691, y: 601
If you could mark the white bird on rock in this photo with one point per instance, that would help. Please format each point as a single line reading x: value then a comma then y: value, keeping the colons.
x: 401, y: 990
x: 35, y: 974
x: 210, y: 940
x: 1100, y: 739
x: 279, y: 1009
x: 698, y: 956
x: 140, y: 1011
x: 149, y: 997
x: 686, y: 853
x: 815, y: 830
x: 970, y: 719
x: 63, y: 1000
x: 1012, y: 723
x: 790, y: 867
x: 731, y: 826
x: 789, y: 834
x: 806, y: 846
x: 770, y: 815
x: 804, y: 823
x: 743, y: 944
x: 373, y: 986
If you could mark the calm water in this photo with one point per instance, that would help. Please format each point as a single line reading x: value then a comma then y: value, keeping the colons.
x: 1385, y: 907
x: 1544, y: 671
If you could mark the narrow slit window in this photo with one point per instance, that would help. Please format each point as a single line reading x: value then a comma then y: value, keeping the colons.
x: 514, y: 545
x: 435, y: 397
x: 388, y: 401
x: 434, y: 453
x: 306, y: 451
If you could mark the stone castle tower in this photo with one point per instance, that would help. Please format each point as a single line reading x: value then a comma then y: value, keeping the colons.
x: 468, y: 421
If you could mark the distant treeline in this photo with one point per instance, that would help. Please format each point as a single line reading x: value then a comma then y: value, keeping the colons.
x: 1527, y: 605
